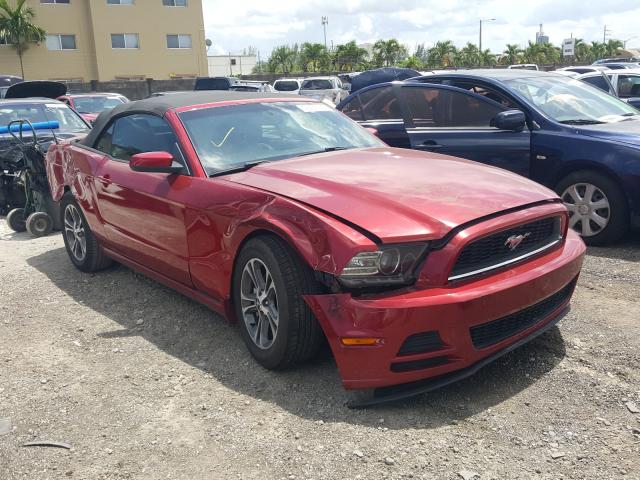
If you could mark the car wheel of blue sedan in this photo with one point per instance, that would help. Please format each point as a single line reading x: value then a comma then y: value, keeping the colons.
x: 597, y: 207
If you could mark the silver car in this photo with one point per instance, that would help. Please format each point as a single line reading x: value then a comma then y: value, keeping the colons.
x: 329, y: 88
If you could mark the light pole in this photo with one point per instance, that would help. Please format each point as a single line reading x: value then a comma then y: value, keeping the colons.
x: 325, y: 22
x: 480, y: 34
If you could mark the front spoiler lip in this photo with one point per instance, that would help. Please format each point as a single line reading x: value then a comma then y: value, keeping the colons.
x: 431, y: 384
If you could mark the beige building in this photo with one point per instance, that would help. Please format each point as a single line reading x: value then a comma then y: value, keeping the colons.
x: 113, y: 39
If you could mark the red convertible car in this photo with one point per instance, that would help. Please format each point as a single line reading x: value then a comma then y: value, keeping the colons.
x: 90, y: 105
x: 286, y: 216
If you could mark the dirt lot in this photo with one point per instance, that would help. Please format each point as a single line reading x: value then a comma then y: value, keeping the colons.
x: 143, y: 384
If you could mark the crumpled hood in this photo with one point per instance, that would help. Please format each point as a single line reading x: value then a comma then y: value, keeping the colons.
x: 396, y: 194
x: 627, y: 131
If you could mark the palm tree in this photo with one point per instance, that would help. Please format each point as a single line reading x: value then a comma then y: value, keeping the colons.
x: 389, y: 52
x: 284, y: 57
x: 442, y: 54
x: 349, y: 56
x: 17, y: 28
x: 533, y: 53
x: 613, y: 46
x: 469, y: 55
x: 512, y: 53
x: 598, y: 50
x: 413, y: 62
x: 486, y: 58
x: 582, y: 51
x: 311, y: 54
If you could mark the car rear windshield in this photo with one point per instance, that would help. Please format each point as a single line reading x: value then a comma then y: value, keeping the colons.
x: 230, y: 136
x: 318, y: 84
x: 571, y: 101
x: 286, y: 85
x: 96, y: 104
x: 213, y: 84
x: 68, y: 120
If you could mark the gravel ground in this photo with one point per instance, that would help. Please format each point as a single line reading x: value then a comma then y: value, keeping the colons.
x: 143, y: 383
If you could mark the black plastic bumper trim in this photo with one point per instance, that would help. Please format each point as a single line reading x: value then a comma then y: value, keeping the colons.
x: 431, y: 384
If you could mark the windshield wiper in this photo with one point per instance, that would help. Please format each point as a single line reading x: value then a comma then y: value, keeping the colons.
x: 242, y: 167
x: 581, y: 121
x: 327, y: 149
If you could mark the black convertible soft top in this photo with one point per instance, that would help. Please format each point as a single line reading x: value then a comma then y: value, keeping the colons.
x: 160, y: 105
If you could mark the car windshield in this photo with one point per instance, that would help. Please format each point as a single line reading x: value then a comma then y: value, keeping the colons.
x: 96, y: 104
x: 231, y: 136
x: 68, y: 120
x: 571, y: 101
x: 286, y: 86
x: 317, y: 84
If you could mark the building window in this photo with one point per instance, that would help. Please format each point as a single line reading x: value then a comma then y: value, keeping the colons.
x: 55, y: 1
x: 124, y: 40
x: 178, y: 41
x: 174, y: 3
x: 61, y: 42
x: 120, y: 2
x: 233, y: 61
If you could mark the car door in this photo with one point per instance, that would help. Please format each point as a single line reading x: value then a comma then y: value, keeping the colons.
x: 143, y: 214
x: 379, y: 108
x: 456, y: 122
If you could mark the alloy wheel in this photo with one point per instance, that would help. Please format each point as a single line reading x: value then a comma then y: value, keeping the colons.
x: 259, y: 303
x: 75, y: 233
x: 589, y: 209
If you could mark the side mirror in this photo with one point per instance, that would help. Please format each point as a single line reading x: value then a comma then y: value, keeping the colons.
x: 154, y: 162
x: 509, y: 120
x: 634, y: 102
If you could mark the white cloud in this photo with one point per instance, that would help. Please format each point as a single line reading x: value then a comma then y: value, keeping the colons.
x: 268, y: 23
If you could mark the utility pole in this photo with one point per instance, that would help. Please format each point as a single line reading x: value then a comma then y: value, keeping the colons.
x: 325, y: 22
x: 606, y: 32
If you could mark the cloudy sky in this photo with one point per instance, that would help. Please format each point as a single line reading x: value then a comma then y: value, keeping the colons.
x: 267, y: 23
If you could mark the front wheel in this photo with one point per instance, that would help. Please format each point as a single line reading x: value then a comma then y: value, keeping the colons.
x: 82, y: 247
x: 597, y: 206
x: 16, y: 221
x: 39, y: 224
x: 275, y: 322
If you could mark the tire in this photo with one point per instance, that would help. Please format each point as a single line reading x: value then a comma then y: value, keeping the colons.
x: 39, y: 224
x: 299, y: 336
x: 15, y: 220
x: 82, y: 247
x: 596, y: 190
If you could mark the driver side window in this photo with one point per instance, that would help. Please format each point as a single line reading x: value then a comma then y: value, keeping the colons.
x: 138, y: 133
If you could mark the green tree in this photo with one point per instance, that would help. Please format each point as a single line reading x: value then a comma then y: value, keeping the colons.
x: 388, y: 52
x: 442, y: 54
x: 17, y: 28
x: 598, y: 50
x: 413, y: 62
x: 468, y: 56
x: 512, y: 53
x: 422, y: 54
x: 486, y: 58
x: 311, y: 56
x: 349, y: 56
x: 283, y: 59
x: 612, y: 47
x: 583, y: 51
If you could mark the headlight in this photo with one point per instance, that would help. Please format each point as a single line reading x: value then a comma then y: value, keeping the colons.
x: 390, y: 265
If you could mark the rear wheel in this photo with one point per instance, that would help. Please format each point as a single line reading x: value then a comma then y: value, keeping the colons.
x: 82, y: 247
x: 16, y: 221
x: 597, y: 206
x: 276, y: 324
x: 39, y: 224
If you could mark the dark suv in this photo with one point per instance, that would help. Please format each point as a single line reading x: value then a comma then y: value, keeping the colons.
x: 215, y: 83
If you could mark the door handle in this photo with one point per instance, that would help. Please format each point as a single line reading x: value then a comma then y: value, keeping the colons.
x: 430, y: 145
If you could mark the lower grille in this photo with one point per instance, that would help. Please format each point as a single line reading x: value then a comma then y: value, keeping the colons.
x: 421, y: 343
x: 496, y: 331
x: 506, y: 247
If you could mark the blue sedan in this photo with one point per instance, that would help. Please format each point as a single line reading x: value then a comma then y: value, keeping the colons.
x: 563, y: 133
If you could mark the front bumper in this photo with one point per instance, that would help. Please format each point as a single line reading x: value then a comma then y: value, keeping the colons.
x: 450, y: 311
